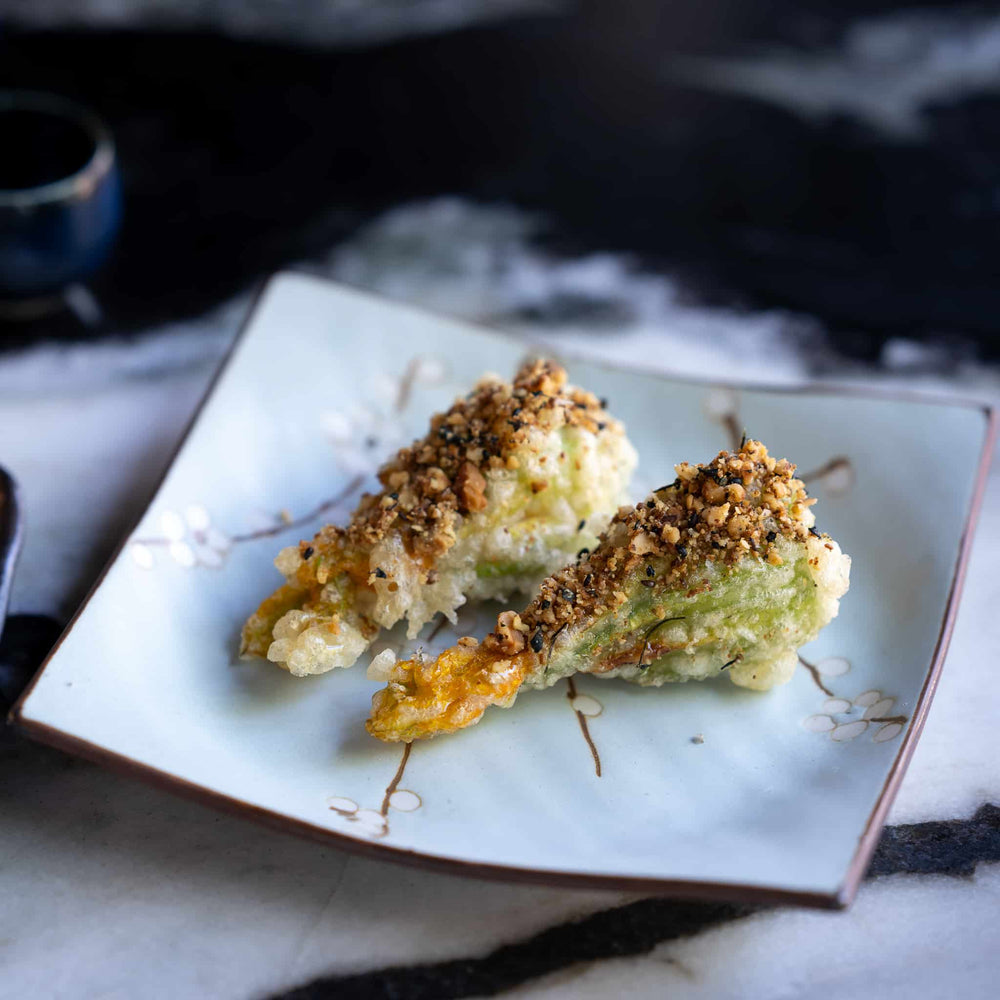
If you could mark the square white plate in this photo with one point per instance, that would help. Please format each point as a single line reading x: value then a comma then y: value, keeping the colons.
x: 780, y: 797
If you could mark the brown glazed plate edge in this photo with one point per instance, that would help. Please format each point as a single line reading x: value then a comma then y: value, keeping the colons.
x: 677, y: 888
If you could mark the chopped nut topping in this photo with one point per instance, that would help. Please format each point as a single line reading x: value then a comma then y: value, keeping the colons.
x: 470, y: 485
x: 428, y: 486
x: 510, y: 635
x: 680, y: 528
x: 670, y: 534
x: 642, y: 542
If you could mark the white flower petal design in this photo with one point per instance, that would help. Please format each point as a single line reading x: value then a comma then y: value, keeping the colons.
x: 887, y: 732
x: 839, y: 479
x: 721, y: 403
x: 836, y: 706
x: 197, y: 517
x: 172, y: 526
x: 819, y: 723
x: 384, y: 386
x: 142, y: 555
x: 337, y: 426
x: 207, y: 556
x: 879, y: 709
x: 404, y: 800
x: 867, y: 698
x: 342, y: 805
x: 848, y: 731
x: 371, y: 822
x: 834, y: 666
x: 218, y: 540
x: 183, y: 554
x: 431, y: 370
x: 586, y: 705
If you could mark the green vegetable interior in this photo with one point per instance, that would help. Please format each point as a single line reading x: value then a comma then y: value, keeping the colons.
x: 748, y: 609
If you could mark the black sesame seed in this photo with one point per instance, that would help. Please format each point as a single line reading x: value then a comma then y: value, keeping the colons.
x: 604, y: 402
x: 581, y: 525
x: 582, y: 553
x: 682, y: 550
x: 379, y: 572
x: 772, y: 535
x: 537, y: 641
x: 601, y: 426
x: 307, y: 552
x: 715, y: 544
x: 587, y: 579
x: 650, y: 504
x: 567, y: 595
x: 692, y: 519
x: 393, y: 496
x: 650, y: 571
x: 546, y: 604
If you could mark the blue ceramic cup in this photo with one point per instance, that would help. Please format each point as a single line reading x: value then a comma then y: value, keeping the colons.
x: 60, y: 194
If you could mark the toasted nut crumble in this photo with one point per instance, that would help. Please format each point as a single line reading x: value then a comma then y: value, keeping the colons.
x: 675, y: 525
x: 470, y: 485
x: 430, y: 484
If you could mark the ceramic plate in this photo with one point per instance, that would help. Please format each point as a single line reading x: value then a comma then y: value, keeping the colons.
x: 699, y: 789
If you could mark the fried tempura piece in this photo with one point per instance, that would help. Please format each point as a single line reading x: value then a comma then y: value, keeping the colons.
x: 505, y: 487
x: 721, y: 571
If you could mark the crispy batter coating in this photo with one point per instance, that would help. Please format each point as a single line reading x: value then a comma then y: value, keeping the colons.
x: 339, y: 593
x: 443, y: 475
x: 737, y: 506
x: 742, y: 509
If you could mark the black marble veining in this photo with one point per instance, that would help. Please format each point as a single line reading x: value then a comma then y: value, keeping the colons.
x: 240, y: 157
x: 950, y: 848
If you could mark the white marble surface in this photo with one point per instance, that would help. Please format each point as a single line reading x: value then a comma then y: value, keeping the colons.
x: 112, y: 889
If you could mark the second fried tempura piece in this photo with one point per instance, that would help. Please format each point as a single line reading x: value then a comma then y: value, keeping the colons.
x: 507, y: 484
x: 721, y: 571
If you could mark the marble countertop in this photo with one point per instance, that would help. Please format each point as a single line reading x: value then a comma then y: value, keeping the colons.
x: 111, y: 889
x: 778, y: 192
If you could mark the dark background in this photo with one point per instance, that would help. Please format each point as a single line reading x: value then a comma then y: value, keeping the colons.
x: 244, y: 151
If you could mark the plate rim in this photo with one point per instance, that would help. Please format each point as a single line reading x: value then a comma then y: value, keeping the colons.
x: 681, y: 888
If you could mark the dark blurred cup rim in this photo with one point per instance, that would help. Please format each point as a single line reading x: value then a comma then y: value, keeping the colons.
x: 75, y: 186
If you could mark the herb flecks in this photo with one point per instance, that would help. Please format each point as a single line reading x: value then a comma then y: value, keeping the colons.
x: 735, y: 507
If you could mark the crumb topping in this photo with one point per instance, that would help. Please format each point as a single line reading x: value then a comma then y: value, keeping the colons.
x: 427, y: 486
x: 735, y: 507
